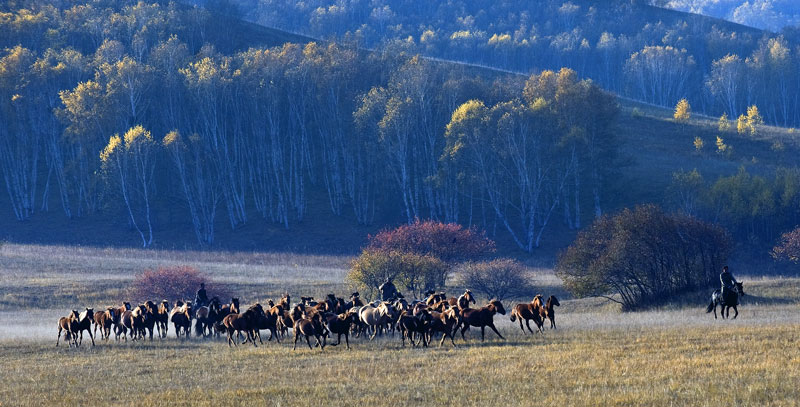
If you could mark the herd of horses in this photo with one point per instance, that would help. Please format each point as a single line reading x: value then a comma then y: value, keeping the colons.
x: 422, y: 320
x: 418, y: 321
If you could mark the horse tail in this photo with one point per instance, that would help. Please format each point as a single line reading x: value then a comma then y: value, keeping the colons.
x: 710, y: 307
x: 513, y: 315
x: 198, y: 328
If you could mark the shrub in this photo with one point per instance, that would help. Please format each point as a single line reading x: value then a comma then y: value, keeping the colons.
x: 789, y: 247
x: 173, y: 283
x: 449, y: 242
x: 644, y: 256
x: 416, y: 273
x: 500, y: 278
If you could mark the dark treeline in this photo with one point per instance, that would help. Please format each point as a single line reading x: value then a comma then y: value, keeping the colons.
x: 631, y: 48
x: 134, y: 110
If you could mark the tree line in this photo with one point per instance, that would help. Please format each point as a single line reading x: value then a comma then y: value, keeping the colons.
x: 137, y: 110
x: 627, y: 47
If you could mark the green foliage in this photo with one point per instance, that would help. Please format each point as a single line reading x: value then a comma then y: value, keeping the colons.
x: 499, y: 279
x: 417, y: 273
x: 644, y: 256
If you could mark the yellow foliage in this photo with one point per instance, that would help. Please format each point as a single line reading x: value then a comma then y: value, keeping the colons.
x: 172, y: 137
x: 724, y: 123
x: 721, y: 146
x: 754, y: 119
x: 137, y: 134
x: 500, y: 39
x: 113, y: 144
x: 699, y: 144
x: 461, y: 35
x: 427, y: 36
x: 741, y: 124
x: 683, y: 111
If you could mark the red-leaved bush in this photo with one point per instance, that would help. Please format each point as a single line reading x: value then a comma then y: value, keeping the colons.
x: 173, y: 283
x: 449, y: 242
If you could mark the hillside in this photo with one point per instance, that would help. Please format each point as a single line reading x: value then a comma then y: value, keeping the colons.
x: 310, y: 167
x: 771, y: 15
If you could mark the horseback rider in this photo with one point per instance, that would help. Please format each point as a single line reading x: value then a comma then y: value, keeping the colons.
x: 727, y: 280
x: 201, y: 298
x: 388, y: 290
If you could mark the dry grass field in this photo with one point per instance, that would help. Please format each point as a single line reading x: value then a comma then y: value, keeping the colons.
x: 674, y: 355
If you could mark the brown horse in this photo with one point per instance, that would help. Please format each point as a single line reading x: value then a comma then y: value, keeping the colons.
x: 409, y: 324
x: 242, y: 323
x: 531, y: 311
x: 104, y: 320
x: 463, y: 301
x: 444, y: 322
x: 65, y: 325
x: 181, y: 318
x: 550, y: 311
x: 150, y: 312
x: 266, y: 321
x: 482, y: 317
x: 126, y: 306
x: 133, y: 321
x: 309, y: 325
x: 84, y: 323
x: 162, y: 318
x: 340, y: 325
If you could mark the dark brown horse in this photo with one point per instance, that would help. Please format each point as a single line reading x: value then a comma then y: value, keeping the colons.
x: 482, y: 317
x: 65, y: 324
x: 444, y: 322
x: 530, y: 311
x: 84, y: 323
x: 550, y: 311
x: 266, y: 321
x: 309, y: 325
x: 409, y: 324
x: 181, y: 318
x: 340, y: 325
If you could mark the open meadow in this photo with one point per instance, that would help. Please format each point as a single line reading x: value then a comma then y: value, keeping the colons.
x: 673, y: 355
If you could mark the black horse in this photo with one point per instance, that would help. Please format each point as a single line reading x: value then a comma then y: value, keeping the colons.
x: 730, y: 300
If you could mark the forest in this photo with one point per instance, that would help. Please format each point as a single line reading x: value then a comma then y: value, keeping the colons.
x: 628, y: 47
x: 133, y: 110
x: 165, y: 116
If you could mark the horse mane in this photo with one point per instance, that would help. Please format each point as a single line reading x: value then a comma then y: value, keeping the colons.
x: 85, y: 314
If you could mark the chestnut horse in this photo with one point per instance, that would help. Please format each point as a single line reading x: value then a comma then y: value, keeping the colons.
x: 531, y: 311
x: 444, y: 322
x: 84, y: 323
x: 104, y: 320
x: 244, y: 322
x: 65, y: 325
x: 481, y: 317
x: 162, y: 318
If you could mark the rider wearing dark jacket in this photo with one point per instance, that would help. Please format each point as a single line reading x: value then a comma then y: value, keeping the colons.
x: 727, y: 280
x: 201, y: 298
x: 388, y: 290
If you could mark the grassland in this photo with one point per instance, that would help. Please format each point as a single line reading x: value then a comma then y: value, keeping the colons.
x: 674, y: 355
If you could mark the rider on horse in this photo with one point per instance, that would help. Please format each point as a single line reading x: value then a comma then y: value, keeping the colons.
x: 388, y: 290
x: 201, y: 298
x: 727, y: 280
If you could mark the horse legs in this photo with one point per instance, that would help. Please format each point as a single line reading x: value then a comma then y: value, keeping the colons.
x: 527, y: 323
x: 346, y: 340
x: 483, y: 333
x: 230, y: 338
x: 736, y: 312
x: 495, y: 331
x: 90, y: 335
x: 308, y: 341
x: 464, y: 329
x: 59, y: 335
x: 552, y: 321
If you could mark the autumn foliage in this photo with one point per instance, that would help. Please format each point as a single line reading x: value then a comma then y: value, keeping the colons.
x: 789, y: 247
x: 418, y: 256
x: 449, y: 242
x: 643, y: 256
x: 173, y: 283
